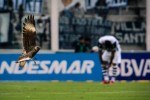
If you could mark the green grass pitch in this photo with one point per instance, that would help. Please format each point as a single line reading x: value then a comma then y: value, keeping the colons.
x: 74, y: 91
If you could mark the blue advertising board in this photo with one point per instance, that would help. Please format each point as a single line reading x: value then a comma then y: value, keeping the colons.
x: 61, y: 66
x: 71, y: 66
x: 134, y: 66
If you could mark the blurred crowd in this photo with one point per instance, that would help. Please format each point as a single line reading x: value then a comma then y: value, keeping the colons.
x: 93, y: 9
x: 17, y: 10
x: 77, y: 10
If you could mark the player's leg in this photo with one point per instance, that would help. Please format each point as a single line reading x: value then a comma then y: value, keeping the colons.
x: 105, y: 59
x: 116, y: 61
x: 105, y: 72
x: 114, y: 73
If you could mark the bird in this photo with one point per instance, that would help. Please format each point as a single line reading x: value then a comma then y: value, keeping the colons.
x: 30, y: 49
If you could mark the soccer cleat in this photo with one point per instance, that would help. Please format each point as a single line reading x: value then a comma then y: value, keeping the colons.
x: 111, y: 82
x: 105, y: 82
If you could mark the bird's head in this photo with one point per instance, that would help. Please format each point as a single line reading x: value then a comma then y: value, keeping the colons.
x: 37, y: 48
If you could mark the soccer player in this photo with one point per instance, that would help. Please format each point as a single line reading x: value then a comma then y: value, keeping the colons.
x: 110, y: 56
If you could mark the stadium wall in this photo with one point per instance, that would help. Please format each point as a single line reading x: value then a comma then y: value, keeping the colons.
x: 72, y: 66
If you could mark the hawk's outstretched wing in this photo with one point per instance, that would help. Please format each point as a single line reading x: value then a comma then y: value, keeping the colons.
x: 29, y: 41
x: 29, y: 34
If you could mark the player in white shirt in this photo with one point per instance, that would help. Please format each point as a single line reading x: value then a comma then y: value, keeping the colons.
x: 110, y: 56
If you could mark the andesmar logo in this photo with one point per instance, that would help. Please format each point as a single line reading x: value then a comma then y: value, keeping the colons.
x: 48, y: 67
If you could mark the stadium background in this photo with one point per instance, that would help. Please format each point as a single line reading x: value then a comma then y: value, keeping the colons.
x: 61, y: 26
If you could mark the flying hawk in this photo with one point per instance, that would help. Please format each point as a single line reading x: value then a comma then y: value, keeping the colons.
x: 29, y: 41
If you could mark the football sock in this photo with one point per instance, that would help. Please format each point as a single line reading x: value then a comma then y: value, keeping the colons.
x: 105, y: 74
x: 114, y: 72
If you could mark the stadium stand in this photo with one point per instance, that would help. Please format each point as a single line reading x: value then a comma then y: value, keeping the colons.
x: 132, y: 12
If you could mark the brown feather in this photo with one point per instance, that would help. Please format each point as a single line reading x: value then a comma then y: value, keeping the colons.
x: 29, y: 41
x: 29, y: 34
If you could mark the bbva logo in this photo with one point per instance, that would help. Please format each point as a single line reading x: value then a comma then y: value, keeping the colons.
x: 129, y: 67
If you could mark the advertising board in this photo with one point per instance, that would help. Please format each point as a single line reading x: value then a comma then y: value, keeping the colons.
x: 61, y: 66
